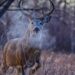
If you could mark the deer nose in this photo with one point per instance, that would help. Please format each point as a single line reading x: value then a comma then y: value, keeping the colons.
x: 36, y: 29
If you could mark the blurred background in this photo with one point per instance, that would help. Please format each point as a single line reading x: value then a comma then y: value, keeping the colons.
x: 58, y: 34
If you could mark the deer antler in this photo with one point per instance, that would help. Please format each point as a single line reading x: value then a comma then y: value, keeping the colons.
x: 37, y: 10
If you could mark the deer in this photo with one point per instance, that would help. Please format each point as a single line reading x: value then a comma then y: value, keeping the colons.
x: 19, y: 52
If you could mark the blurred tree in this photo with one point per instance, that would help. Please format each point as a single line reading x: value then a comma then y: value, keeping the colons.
x: 3, y: 37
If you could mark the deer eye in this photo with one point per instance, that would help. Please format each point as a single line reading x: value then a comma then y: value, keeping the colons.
x: 40, y: 23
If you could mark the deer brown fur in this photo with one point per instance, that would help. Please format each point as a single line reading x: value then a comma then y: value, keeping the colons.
x: 16, y: 53
x: 19, y: 52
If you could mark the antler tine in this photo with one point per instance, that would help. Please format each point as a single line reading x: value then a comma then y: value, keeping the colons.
x: 52, y: 7
x: 50, y: 11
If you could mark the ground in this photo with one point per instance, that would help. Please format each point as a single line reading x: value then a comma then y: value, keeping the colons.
x: 52, y: 64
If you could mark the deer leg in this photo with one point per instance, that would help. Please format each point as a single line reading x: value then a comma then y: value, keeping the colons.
x: 20, y: 71
x: 23, y: 73
x: 4, y: 68
x: 39, y: 64
x: 36, y: 66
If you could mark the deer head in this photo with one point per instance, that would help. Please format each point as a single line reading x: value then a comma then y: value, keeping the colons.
x: 37, y: 21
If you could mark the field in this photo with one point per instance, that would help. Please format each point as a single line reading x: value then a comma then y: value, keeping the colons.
x: 51, y: 64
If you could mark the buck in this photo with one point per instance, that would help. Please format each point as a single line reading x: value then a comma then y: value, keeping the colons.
x: 20, y: 52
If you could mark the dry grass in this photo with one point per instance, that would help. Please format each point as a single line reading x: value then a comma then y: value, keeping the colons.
x: 54, y: 64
